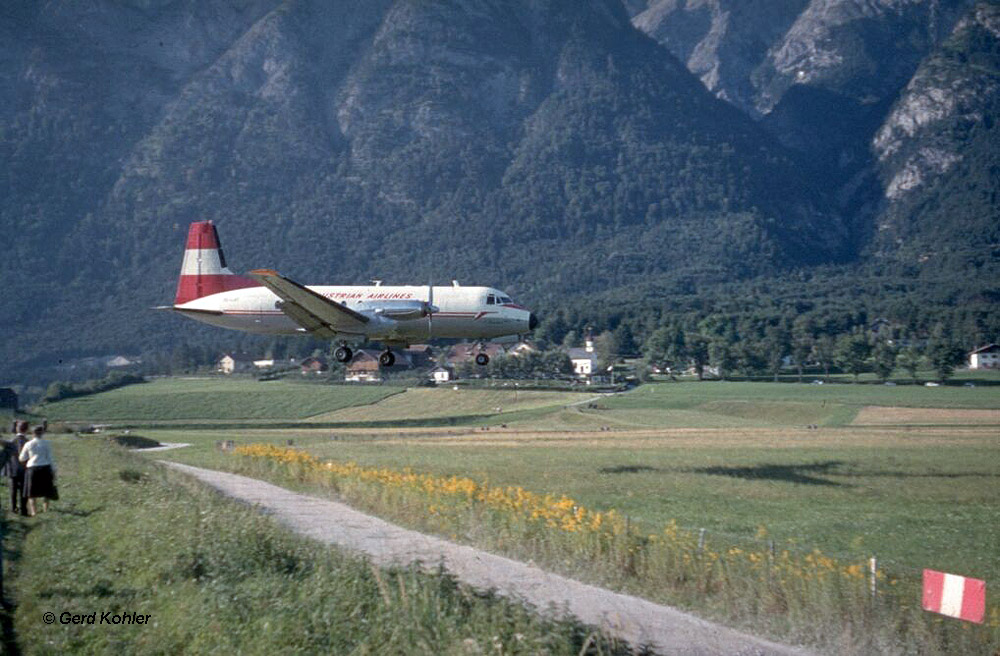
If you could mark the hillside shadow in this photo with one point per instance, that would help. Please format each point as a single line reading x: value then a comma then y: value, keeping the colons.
x: 803, y: 474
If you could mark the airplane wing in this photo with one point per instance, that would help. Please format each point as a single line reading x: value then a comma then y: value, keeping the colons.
x: 317, y: 314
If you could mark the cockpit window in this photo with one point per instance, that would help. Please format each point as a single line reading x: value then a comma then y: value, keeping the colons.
x: 491, y: 300
x: 505, y: 299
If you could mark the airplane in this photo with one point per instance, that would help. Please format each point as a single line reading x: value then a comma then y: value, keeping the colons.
x: 269, y: 303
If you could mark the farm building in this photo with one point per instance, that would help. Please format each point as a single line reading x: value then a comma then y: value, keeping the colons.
x: 232, y: 363
x: 314, y: 365
x: 442, y: 374
x: 584, y: 359
x: 985, y: 357
x: 364, y: 366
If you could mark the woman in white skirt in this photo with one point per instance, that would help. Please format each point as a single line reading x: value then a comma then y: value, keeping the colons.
x: 40, y: 471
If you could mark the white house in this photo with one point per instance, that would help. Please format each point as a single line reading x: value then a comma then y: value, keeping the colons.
x: 441, y: 375
x: 584, y: 359
x: 985, y: 357
x: 234, y: 362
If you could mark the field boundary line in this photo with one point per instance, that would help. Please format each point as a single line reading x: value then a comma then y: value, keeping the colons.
x: 637, y: 621
x: 360, y: 405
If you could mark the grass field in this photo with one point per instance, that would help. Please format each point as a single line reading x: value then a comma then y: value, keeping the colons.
x: 177, y: 399
x: 782, y: 404
x: 423, y: 403
x: 213, y: 576
x: 908, y: 474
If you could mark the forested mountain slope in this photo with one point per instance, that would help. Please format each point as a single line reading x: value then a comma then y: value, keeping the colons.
x: 939, y: 156
x: 545, y: 146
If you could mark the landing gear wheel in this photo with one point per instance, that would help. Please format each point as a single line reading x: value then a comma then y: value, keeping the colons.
x: 343, y: 354
x: 387, y: 359
x: 482, y: 359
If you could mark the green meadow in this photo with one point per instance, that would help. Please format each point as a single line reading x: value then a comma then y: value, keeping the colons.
x: 907, y: 474
x: 212, y: 576
x: 213, y: 399
x: 734, y: 458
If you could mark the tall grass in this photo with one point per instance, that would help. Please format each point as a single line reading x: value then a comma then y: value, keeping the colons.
x: 217, y: 577
x: 804, y: 597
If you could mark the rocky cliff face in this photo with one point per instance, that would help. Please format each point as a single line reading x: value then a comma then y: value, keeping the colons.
x: 937, y: 150
x: 722, y: 41
x: 821, y: 75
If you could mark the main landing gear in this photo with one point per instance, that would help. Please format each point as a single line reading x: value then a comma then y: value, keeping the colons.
x: 387, y: 359
x: 481, y: 358
x: 343, y: 353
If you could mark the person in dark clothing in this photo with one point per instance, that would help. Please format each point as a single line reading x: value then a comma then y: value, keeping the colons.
x: 13, y: 468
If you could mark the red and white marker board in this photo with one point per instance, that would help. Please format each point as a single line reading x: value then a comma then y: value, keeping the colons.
x: 955, y: 596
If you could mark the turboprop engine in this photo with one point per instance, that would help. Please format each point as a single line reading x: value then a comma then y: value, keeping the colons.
x: 397, y: 310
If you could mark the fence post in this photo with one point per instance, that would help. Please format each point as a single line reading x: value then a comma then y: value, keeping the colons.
x: 701, y: 540
x: 873, y: 574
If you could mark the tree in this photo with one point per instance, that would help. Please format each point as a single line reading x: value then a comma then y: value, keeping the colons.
x: 656, y: 346
x: 697, y: 348
x: 571, y: 339
x: 775, y: 346
x: 802, y: 346
x: 556, y: 363
x: 852, y: 353
x: 909, y: 359
x: 607, y: 348
x: 823, y: 350
x: 721, y: 354
x: 750, y: 360
x: 944, y: 356
x: 884, y: 359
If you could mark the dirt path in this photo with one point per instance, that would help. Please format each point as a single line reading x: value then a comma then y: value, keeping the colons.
x: 666, y: 630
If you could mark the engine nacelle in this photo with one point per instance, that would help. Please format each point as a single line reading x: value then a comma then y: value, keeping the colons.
x: 397, y: 310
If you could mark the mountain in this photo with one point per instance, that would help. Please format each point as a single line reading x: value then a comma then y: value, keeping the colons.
x: 939, y: 158
x: 845, y: 84
x: 545, y: 146
x: 723, y: 42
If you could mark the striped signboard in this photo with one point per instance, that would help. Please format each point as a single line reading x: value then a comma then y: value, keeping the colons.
x: 955, y: 596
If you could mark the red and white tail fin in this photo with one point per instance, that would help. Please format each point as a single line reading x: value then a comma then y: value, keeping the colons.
x: 204, y: 271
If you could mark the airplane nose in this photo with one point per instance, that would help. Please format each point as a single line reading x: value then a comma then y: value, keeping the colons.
x: 532, y: 321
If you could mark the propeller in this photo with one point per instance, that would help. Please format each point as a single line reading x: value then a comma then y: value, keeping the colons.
x: 431, y: 309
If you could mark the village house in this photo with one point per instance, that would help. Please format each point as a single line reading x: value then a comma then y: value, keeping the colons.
x: 985, y: 357
x: 232, y: 363
x: 466, y: 352
x: 421, y: 355
x: 584, y: 359
x: 364, y: 366
x: 314, y: 365
x: 441, y: 375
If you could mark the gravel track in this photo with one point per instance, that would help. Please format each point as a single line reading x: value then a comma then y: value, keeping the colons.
x: 640, y: 622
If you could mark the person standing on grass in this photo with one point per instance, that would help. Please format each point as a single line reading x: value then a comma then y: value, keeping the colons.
x: 40, y: 471
x: 13, y: 469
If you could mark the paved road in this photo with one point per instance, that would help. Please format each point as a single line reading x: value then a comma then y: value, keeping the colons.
x: 665, y: 630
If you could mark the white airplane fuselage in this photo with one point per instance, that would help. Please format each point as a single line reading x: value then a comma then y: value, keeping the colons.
x: 462, y: 312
